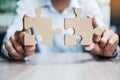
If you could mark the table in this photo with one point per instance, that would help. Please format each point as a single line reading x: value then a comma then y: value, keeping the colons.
x: 61, y: 66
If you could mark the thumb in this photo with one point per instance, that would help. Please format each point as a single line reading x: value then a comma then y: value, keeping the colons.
x: 29, y: 49
x: 89, y: 47
x: 94, y: 22
x: 28, y: 37
x: 24, y: 27
x: 95, y: 25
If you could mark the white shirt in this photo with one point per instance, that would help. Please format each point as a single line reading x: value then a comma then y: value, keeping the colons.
x: 28, y: 6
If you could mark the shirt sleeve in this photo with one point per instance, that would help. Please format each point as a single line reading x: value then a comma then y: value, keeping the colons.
x: 93, y: 9
x: 117, y: 51
x: 17, y: 25
x: 22, y: 7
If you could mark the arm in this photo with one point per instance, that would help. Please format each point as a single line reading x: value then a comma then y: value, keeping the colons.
x: 13, y: 41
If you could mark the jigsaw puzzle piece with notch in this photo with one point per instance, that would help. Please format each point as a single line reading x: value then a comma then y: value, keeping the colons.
x: 81, y: 27
x: 42, y: 26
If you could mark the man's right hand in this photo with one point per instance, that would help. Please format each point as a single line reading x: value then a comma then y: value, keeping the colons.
x: 15, y: 46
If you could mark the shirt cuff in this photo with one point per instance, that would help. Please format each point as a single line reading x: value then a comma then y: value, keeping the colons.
x: 114, y: 55
x: 115, y: 52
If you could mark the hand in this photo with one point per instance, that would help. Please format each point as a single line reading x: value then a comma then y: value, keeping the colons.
x: 15, y: 46
x: 104, y: 44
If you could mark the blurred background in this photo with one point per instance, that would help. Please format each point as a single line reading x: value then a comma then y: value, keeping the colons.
x: 7, y: 13
x: 109, y: 8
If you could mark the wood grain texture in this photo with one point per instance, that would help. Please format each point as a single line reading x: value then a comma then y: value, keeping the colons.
x: 60, y: 66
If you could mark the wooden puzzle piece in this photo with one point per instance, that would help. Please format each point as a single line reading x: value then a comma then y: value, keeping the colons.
x: 41, y: 26
x: 81, y: 27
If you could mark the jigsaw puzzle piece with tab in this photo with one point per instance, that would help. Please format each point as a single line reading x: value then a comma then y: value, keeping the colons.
x: 81, y: 27
x: 42, y: 26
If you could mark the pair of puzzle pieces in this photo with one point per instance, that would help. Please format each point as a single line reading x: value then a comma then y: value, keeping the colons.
x: 43, y: 26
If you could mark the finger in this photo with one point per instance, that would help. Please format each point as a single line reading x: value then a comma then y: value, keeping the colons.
x: 94, y: 22
x: 29, y: 50
x: 89, y: 47
x: 12, y: 51
x: 97, y: 50
x: 110, y: 52
x: 18, y: 47
x: 97, y: 38
x: 20, y: 37
x: 112, y: 41
x: 105, y: 38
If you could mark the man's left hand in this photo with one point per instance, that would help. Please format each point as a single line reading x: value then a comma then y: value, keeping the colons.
x: 104, y: 44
